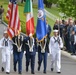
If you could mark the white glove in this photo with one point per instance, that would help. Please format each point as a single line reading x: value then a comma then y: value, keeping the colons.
x: 49, y: 54
x: 36, y: 53
x: 11, y: 51
x: 24, y: 52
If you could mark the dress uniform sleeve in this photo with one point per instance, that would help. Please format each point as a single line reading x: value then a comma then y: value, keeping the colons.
x: 1, y: 43
x: 35, y: 44
x: 61, y: 43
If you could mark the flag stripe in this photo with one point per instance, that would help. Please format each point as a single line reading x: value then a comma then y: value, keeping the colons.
x: 30, y: 26
x: 8, y: 11
x: 10, y: 32
x: 13, y: 17
x: 29, y: 17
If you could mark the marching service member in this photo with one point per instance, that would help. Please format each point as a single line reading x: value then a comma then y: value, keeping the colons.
x: 42, y: 54
x: 55, y: 47
x: 30, y: 46
x: 6, y: 46
x: 18, y: 52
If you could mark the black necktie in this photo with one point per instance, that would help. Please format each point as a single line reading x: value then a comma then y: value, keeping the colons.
x: 6, y: 42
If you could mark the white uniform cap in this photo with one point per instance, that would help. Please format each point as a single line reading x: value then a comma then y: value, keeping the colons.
x: 5, y: 32
x: 30, y: 35
x: 55, y: 30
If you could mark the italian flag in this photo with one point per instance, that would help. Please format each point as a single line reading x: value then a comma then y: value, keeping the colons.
x: 29, y: 17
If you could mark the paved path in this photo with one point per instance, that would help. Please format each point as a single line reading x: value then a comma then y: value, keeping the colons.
x: 50, y: 15
x: 68, y: 64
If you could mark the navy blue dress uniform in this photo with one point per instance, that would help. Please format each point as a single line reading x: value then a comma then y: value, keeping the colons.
x: 30, y: 48
x: 42, y: 54
x: 18, y: 52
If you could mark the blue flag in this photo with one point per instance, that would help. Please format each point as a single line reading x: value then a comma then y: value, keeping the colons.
x: 41, y: 22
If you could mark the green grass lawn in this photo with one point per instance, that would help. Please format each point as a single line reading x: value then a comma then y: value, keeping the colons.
x: 23, y: 17
x: 54, y: 11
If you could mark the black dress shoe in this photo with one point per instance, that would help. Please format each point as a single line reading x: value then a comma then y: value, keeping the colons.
x: 32, y: 73
x: 52, y: 69
x: 38, y: 68
x: 7, y: 73
x: 44, y: 72
x: 20, y: 73
x: 58, y: 72
x: 15, y: 69
x: 26, y: 69
x: 2, y: 69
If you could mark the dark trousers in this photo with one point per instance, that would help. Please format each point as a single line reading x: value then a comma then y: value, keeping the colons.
x: 42, y: 57
x: 67, y: 43
x: 30, y: 58
x: 72, y: 48
x: 18, y: 58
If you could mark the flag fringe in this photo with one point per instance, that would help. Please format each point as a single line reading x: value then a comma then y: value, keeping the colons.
x: 41, y: 39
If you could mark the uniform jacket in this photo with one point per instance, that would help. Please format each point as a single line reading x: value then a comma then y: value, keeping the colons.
x: 55, y: 44
x: 15, y: 40
x: 26, y: 39
x: 7, y: 49
x: 46, y: 48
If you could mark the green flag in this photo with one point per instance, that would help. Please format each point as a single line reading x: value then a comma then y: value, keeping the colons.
x: 27, y: 8
x: 29, y: 17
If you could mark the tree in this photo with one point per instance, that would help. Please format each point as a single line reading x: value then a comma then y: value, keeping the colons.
x: 23, y: 1
x: 49, y: 3
x: 68, y: 7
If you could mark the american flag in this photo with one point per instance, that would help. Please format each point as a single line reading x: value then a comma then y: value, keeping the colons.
x: 9, y: 10
x: 13, y: 19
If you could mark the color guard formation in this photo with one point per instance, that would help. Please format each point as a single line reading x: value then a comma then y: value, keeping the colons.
x: 20, y: 44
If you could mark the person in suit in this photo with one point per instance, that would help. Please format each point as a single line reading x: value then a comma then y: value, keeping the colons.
x: 30, y: 48
x: 18, y: 52
x: 69, y: 31
x: 48, y: 28
x: 42, y: 54
x: 61, y: 26
x: 56, y: 25
x: 73, y: 42
x: 65, y: 34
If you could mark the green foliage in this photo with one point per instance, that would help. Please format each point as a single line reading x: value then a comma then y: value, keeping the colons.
x: 68, y: 7
x: 53, y: 1
x: 49, y: 3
